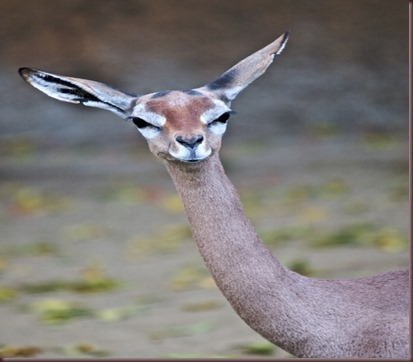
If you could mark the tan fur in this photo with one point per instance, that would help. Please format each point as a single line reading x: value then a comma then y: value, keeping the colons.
x: 357, y: 318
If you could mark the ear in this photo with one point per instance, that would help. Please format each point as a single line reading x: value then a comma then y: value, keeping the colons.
x: 234, y: 80
x: 75, y: 90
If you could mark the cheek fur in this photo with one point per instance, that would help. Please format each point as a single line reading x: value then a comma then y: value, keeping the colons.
x: 218, y: 128
x: 149, y: 132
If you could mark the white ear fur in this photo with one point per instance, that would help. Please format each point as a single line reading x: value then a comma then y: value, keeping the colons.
x: 234, y: 80
x: 76, y: 90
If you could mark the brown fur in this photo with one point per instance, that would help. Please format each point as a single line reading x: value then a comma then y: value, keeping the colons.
x: 365, y: 317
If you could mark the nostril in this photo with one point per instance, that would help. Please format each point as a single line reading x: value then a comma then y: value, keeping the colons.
x: 190, y: 142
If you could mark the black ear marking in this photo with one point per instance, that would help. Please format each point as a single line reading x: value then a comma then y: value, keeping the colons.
x: 224, y: 81
x: 161, y: 94
x: 192, y: 92
x: 81, y: 95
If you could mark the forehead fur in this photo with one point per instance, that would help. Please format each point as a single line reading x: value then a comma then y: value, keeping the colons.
x: 179, y: 107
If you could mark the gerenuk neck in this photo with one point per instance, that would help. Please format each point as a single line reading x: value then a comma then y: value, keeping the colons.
x: 252, y: 280
x: 307, y: 317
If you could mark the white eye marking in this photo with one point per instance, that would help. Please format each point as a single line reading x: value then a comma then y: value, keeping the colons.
x: 149, y: 132
x: 151, y: 117
x: 212, y: 114
x: 219, y: 125
x: 218, y: 128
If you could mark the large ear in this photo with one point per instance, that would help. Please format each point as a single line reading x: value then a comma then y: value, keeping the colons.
x: 234, y: 80
x: 75, y: 90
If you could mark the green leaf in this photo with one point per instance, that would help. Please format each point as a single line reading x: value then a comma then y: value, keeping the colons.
x: 181, y: 331
x: 259, y: 348
x: 83, y: 350
x: 57, y: 311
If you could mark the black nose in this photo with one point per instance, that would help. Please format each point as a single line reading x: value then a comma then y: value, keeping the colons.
x: 190, y: 142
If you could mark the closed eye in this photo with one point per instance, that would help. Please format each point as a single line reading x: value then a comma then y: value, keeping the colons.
x: 219, y: 125
x: 141, y: 123
x: 223, y: 119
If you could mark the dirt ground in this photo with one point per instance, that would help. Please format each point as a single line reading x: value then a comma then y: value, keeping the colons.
x: 96, y: 256
x: 112, y: 216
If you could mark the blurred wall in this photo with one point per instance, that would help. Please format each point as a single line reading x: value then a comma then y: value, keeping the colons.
x: 345, y: 66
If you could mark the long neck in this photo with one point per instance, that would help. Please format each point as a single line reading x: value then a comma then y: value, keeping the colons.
x: 264, y: 294
x: 305, y: 316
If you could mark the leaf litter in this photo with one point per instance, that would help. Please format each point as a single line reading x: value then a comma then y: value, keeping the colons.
x: 182, y: 331
x: 190, y: 276
x: 93, y: 280
x: 388, y: 239
x: 166, y: 240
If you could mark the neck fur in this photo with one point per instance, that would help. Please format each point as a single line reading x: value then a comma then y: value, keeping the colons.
x: 242, y: 267
x: 302, y: 315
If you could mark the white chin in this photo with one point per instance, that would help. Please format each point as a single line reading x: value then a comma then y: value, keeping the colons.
x: 191, y: 157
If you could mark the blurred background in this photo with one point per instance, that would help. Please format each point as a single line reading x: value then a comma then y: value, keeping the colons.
x: 96, y: 257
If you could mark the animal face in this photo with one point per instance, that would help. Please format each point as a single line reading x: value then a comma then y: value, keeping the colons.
x: 181, y: 125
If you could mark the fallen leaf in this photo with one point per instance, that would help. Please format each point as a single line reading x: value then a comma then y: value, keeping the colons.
x: 355, y: 234
x: 364, y: 234
x: 7, y: 294
x: 172, y: 203
x: 57, y: 311
x: 334, y: 187
x: 201, y: 306
x: 259, y: 348
x: 29, y: 201
x: 84, y: 232
x: 37, y: 248
x: 83, y: 350
x: 300, y: 266
x: 21, y: 147
x: 166, y: 240
x: 93, y: 281
x: 3, y: 263
x: 276, y: 236
x: 188, y: 277
x: 182, y: 331
x: 391, y: 240
x: 12, y: 351
x: 207, y: 283
x: 313, y: 214
x: 116, y: 314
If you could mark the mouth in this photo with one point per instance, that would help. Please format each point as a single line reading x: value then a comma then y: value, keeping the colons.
x: 191, y: 157
x: 193, y: 160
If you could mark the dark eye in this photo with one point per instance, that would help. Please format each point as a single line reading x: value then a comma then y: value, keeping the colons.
x: 141, y: 123
x: 222, y: 118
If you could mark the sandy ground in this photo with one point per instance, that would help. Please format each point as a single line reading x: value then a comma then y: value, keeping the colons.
x: 95, y: 214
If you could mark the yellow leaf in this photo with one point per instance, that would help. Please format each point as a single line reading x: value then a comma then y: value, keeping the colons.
x: 391, y: 240
x: 314, y: 214
x: 202, y: 306
x: 172, y: 204
x: 85, y: 231
x: 10, y: 351
x: 7, y: 294
x: 187, y: 277
x: 207, y: 283
x: 28, y: 201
